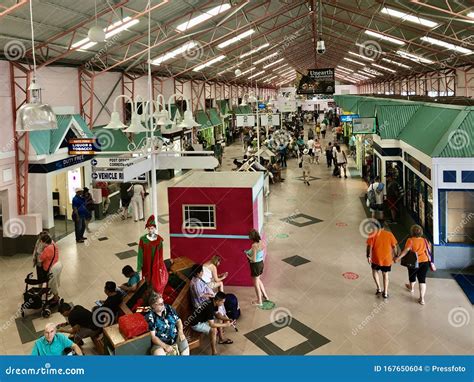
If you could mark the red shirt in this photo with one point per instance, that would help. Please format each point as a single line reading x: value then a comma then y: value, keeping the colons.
x: 48, y: 256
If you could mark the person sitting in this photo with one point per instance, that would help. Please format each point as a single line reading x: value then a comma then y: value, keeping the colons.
x: 166, y: 328
x: 133, y: 279
x: 81, y: 321
x: 113, y: 300
x: 210, y: 275
x: 53, y: 343
x: 238, y: 164
x: 203, y: 320
x: 200, y: 290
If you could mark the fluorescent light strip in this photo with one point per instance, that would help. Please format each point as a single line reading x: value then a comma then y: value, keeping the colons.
x: 256, y: 74
x: 340, y: 71
x: 384, y: 68
x: 273, y: 63
x: 446, y: 45
x: 357, y: 75
x: 167, y: 56
x: 271, y: 78
x: 407, y: 17
x: 203, y: 17
x: 385, y: 38
x: 209, y: 63
x: 368, y: 74
x: 396, y: 63
x: 236, y: 38
x: 471, y: 14
x: 361, y: 56
x: 255, y: 50
x: 246, y: 71
x: 281, y: 68
x: 372, y: 71
x: 414, y: 57
x: 265, y: 58
x: 286, y: 72
x: 354, y: 61
x: 117, y: 27
x: 343, y: 67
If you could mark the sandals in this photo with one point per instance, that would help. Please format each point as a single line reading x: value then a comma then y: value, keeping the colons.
x: 256, y: 303
x: 408, y: 286
x: 421, y: 302
x: 385, y: 295
x: 226, y: 342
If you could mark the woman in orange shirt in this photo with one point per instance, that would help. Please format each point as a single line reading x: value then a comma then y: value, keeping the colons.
x: 50, y: 261
x: 422, y: 248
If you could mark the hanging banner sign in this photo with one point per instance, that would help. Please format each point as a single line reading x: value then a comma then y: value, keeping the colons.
x: 245, y: 120
x: 114, y: 176
x: 270, y: 119
x: 117, y: 162
x: 84, y: 146
x: 348, y: 117
x: 317, y: 81
x: 287, y: 106
x: 363, y: 126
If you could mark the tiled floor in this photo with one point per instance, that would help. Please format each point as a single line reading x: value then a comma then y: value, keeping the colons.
x: 318, y: 311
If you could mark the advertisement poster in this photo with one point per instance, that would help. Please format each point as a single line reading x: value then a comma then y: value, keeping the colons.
x: 270, y: 120
x: 363, y: 125
x: 317, y: 81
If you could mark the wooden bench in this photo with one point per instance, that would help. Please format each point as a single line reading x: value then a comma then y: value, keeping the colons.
x: 116, y: 344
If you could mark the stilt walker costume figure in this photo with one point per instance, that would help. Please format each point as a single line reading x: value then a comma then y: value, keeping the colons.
x: 150, y: 258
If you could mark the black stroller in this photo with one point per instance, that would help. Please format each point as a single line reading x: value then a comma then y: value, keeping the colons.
x: 36, y: 295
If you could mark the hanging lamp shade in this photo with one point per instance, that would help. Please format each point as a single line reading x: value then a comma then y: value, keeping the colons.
x: 189, y: 119
x: 135, y: 125
x: 115, y: 122
x: 96, y: 34
x: 164, y: 119
x: 35, y: 116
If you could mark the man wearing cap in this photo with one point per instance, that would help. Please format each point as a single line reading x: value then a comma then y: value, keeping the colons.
x: 150, y: 257
x: 79, y: 214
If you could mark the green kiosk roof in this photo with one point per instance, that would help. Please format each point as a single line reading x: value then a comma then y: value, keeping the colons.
x: 214, y: 117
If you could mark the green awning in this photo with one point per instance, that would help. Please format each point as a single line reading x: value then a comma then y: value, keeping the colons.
x: 348, y: 102
x: 203, y: 119
x: 214, y: 117
x: 458, y: 142
x: 393, y: 117
x: 47, y: 142
x: 111, y: 139
x: 223, y: 106
x: 428, y: 125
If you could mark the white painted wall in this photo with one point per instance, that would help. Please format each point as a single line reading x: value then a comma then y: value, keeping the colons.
x: 346, y: 89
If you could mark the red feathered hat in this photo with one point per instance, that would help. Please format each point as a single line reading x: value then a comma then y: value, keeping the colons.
x: 151, y: 222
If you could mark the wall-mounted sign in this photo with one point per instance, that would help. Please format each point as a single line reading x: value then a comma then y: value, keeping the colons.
x: 348, y: 117
x: 363, y: 125
x: 84, y: 146
x: 245, y: 120
x: 43, y: 168
x: 270, y: 119
x: 317, y: 81
x: 114, y: 176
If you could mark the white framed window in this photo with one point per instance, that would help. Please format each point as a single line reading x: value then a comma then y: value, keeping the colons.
x: 199, y: 216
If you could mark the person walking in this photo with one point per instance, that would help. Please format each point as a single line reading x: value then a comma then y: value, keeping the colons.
x: 310, y: 133
x: 126, y: 193
x: 255, y: 257
x: 282, y: 153
x: 329, y: 154
x: 137, y: 202
x: 341, y: 161
x: 79, y: 213
x: 310, y: 145
x: 317, y: 150
x: 382, y: 248
x: 422, y: 249
x: 394, y: 196
x: 305, y: 160
x: 375, y: 198
x: 318, y: 131
x: 323, y: 127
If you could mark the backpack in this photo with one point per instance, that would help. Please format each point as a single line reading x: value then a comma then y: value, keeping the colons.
x: 232, y: 307
x: 371, y: 199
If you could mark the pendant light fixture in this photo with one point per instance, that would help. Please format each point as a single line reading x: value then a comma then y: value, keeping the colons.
x: 35, y: 115
x: 96, y: 33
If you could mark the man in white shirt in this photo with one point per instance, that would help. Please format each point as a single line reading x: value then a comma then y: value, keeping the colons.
x: 310, y: 144
x: 376, y: 209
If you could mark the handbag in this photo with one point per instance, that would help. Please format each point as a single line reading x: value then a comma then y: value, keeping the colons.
x: 132, y: 325
x: 430, y: 257
x: 410, y: 260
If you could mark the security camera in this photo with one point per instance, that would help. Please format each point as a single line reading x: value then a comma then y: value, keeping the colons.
x: 320, y: 47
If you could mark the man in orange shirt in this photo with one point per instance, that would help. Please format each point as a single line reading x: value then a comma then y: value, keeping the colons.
x: 382, y: 247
